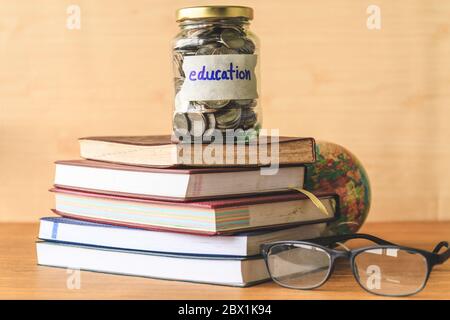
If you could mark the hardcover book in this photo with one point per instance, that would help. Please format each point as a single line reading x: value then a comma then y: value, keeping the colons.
x: 203, y: 217
x: 232, y: 271
x: 117, y: 237
x: 161, y: 151
x: 175, y: 184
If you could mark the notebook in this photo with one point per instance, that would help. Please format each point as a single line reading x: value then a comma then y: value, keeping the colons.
x: 104, y: 235
x: 232, y: 271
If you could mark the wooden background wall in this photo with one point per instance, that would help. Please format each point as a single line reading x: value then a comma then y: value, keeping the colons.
x: 384, y: 94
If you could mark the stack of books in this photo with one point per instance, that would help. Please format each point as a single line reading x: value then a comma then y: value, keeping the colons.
x: 131, y: 207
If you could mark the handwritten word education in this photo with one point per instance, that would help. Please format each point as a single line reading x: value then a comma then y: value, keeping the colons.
x: 232, y: 73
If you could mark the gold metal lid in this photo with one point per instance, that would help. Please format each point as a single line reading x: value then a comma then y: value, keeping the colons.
x: 214, y: 12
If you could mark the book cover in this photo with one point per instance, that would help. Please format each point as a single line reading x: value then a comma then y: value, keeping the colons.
x: 161, y: 151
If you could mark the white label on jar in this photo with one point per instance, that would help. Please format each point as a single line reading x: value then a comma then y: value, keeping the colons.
x: 219, y: 77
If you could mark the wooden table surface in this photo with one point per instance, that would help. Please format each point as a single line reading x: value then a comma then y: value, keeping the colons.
x: 22, y: 278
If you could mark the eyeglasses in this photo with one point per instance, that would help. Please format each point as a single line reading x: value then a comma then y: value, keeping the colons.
x: 386, y: 269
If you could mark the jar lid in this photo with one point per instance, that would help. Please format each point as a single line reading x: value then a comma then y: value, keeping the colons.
x: 214, y: 12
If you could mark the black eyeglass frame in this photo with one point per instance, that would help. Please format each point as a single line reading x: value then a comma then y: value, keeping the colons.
x: 432, y: 258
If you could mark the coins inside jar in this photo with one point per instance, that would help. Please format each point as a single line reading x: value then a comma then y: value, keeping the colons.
x: 180, y: 122
x: 204, y: 117
x: 248, y: 118
x: 197, y: 123
x: 228, y: 119
x: 232, y: 38
x: 216, y: 104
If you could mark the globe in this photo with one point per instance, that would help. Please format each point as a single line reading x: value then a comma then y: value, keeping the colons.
x: 337, y: 170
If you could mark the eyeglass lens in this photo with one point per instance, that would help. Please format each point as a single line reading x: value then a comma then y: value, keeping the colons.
x: 391, y: 271
x: 298, y: 266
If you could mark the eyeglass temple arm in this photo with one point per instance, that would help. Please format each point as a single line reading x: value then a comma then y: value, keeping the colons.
x: 443, y: 256
x: 342, y: 238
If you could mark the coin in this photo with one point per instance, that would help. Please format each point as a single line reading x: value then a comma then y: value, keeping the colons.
x: 206, y: 50
x: 188, y: 52
x: 248, y: 47
x: 180, y: 122
x: 211, y: 119
x: 228, y: 119
x: 216, y: 104
x: 187, y: 43
x: 199, y: 32
x: 232, y: 38
x: 243, y: 102
x: 178, y: 62
x: 178, y: 82
x: 248, y: 118
x: 197, y: 123
x: 224, y: 50
x: 252, y: 104
x: 200, y: 106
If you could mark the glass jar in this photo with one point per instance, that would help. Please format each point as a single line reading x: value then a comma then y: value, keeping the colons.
x: 216, y: 73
